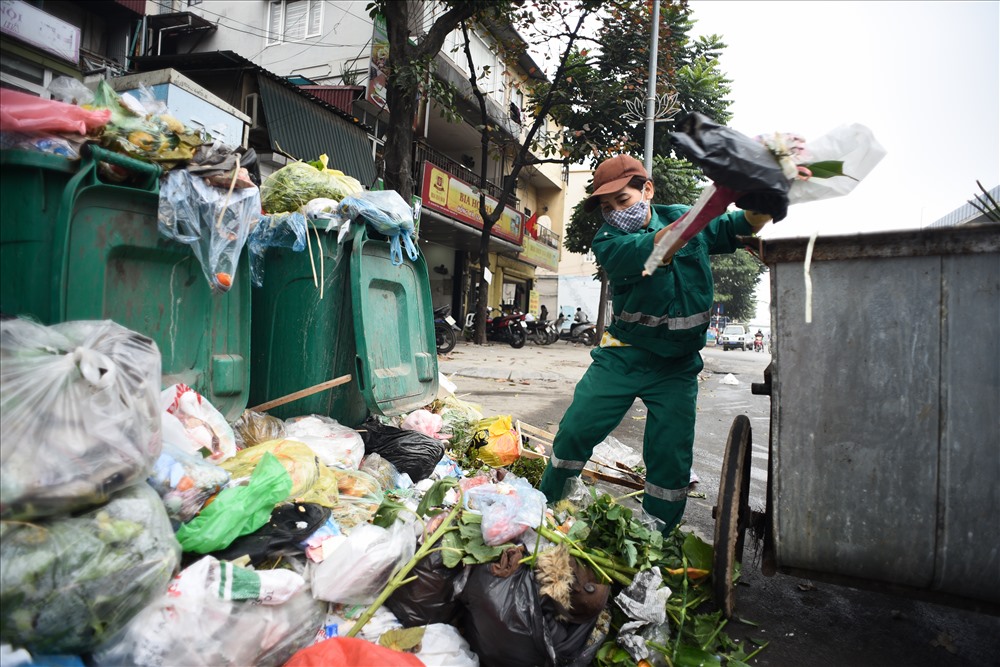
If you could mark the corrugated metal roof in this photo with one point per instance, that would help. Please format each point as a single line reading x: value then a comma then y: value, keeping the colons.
x: 965, y: 214
x: 298, y: 127
x: 341, y: 97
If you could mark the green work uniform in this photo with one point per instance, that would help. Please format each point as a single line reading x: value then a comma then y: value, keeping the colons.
x: 661, y: 320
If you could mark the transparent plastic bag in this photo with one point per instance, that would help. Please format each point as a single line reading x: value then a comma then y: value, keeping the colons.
x: 386, y: 473
x: 509, y: 508
x: 68, y: 584
x: 253, y: 428
x: 336, y: 445
x: 70, y: 90
x: 213, y: 221
x: 281, y: 230
x: 353, y: 496
x: 79, y: 414
x: 195, y: 625
x: 855, y: 146
x: 426, y: 422
x: 296, y: 457
x: 185, y: 481
x: 361, y: 566
x: 294, y: 185
x: 389, y: 215
x: 193, y: 425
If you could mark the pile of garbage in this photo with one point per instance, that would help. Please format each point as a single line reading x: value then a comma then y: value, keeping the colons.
x: 208, y: 198
x: 139, y: 527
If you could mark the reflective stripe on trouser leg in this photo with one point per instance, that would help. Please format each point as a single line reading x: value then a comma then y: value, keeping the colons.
x: 668, y: 442
x: 601, y: 399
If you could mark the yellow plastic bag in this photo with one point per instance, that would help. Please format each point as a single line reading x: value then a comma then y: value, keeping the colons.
x: 297, y: 458
x: 497, y: 441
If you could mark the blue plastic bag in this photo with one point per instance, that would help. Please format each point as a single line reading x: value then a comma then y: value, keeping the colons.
x: 389, y: 215
x: 282, y: 230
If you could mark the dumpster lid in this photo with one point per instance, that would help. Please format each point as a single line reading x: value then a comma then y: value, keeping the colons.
x: 396, y: 362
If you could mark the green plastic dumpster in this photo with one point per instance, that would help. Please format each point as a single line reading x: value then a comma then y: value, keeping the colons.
x: 374, y: 322
x: 73, y: 247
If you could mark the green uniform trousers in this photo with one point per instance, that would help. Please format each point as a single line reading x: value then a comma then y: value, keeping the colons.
x: 669, y: 389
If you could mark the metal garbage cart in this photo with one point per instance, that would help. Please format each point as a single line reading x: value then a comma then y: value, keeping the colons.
x: 884, y: 452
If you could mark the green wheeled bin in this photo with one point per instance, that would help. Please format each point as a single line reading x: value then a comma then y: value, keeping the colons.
x: 74, y: 247
x: 374, y: 323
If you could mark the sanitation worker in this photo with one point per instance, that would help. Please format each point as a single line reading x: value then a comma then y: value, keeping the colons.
x: 651, y: 349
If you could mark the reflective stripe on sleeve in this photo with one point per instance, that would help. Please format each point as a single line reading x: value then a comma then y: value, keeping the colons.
x: 566, y: 465
x: 670, y: 495
x: 675, y: 323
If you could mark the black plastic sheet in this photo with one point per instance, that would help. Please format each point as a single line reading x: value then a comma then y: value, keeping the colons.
x: 736, y: 161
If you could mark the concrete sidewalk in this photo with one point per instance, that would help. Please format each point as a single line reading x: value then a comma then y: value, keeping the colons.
x: 499, y: 361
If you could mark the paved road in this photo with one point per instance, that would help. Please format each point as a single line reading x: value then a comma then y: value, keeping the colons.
x: 808, y: 623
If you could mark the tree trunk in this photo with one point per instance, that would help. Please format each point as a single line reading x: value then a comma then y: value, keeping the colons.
x: 398, y: 153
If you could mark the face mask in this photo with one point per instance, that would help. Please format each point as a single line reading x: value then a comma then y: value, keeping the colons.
x: 630, y: 219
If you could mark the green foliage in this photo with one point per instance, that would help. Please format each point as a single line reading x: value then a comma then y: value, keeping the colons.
x: 736, y: 277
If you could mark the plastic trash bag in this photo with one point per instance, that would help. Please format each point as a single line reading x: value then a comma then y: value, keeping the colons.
x: 281, y: 230
x: 388, y: 477
x: 194, y: 425
x: 69, y: 583
x: 411, y: 452
x: 735, y: 161
x: 196, y: 625
x: 336, y: 445
x: 253, y: 428
x: 428, y: 599
x: 185, y: 481
x: 296, y: 457
x: 389, y: 215
x: 497, y: 441
x: 444, y: 646
x: 289, y: 525
x: 237, y: 510
x: 67, y: 146
x: 295, y: 184
x: 509, y: 508
x: 213, y: 221
x: 21, y: 658
x: 21, y: 112
x: 352, y: 652
x: 70, y: 90
x: 79, y: 414
x: 361, y: 566
x: 507, y: 626
x: 426, y: 422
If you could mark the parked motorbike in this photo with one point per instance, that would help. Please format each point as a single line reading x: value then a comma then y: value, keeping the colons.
x: 445, y: 330
x: 508, y: 328
x: 541, y: 332
x: 578, y: 332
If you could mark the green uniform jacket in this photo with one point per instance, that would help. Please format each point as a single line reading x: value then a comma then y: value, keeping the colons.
x: 666, y: 313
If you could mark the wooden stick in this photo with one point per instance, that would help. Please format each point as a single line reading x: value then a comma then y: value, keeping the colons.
x: 302, y: 393
x: 546, y: 438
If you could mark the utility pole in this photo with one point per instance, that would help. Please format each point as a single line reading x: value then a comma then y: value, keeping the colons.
x: 651, y: 90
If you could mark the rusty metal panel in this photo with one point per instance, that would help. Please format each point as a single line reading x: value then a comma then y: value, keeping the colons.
x: 886, y: 409
x: 855, y: 399
x: 969, y: 515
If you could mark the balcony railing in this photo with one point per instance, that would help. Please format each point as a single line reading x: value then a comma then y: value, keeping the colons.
x: 546, y: 236
x: 424, y: 153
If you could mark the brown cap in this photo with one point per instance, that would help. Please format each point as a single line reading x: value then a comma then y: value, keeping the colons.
x: 611, y: 176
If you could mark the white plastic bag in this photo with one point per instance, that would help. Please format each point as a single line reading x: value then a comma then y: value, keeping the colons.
x: 509, y: 508
x: 336, y: 445
x: 193, y: 425
x: 198, y: 622
x: 360, y: 568
x: 79, y: 414
x: 855, y: 146
x: 444, y: 646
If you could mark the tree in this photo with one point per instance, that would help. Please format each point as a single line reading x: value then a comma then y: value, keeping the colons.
x: 409, y: 73
x: 735, y: 278
x: 572, y: 19
x: 687, y: 70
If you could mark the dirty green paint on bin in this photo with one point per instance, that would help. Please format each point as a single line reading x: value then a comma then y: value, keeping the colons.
x: 385, y: 343
x: 76, y: 248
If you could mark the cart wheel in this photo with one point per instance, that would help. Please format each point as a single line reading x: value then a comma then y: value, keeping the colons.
x: 732, y: 513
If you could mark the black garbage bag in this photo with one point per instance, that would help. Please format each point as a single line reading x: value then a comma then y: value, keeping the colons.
x: 507, y: 625
x: 290, y: 524
x: 411, y: 452
x: 735, y: 161
x: 429, y: 599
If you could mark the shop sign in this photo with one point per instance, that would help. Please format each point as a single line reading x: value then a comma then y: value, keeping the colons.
x: 41, y: 30
x: 455, y: 198
x: 539, y: 254
x: 377, y: 78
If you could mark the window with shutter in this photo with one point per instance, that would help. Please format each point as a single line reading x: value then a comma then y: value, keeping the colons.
x: 274, y: 28
x: 315, y: 18
x: 296, y: 17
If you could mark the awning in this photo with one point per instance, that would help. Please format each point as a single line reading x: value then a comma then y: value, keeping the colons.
x: 303, y: 129
x: 444, y: 231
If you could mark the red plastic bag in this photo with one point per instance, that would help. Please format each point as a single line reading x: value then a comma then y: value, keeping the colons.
x: 351, y: 652
x: 21, y: 112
